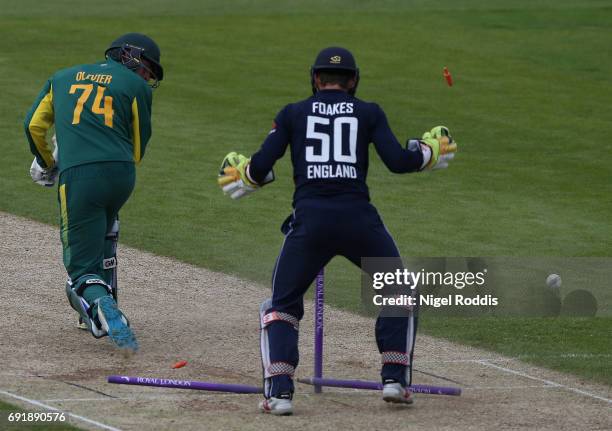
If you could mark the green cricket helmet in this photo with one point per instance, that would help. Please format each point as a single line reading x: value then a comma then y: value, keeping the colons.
x: 130, y: 48
x: 335, y: 58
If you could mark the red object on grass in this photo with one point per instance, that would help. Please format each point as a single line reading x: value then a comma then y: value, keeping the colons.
x: 448, y: 77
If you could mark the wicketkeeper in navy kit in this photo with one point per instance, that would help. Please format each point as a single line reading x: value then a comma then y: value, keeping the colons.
x: 329, y: 134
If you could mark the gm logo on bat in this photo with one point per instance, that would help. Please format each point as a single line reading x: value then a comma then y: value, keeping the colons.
x: 109, y: 263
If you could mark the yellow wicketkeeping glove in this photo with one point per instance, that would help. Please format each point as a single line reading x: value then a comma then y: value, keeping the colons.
x: 442, y: 145
x: 233, y: 178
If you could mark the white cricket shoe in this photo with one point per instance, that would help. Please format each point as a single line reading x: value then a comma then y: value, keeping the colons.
x: 82, y: 325
x: 277, y: 406
x: 396, y: 393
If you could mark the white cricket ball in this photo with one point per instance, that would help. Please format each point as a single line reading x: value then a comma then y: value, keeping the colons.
x: 553, y: 281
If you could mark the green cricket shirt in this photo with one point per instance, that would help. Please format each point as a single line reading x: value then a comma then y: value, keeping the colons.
x: 101, y: 112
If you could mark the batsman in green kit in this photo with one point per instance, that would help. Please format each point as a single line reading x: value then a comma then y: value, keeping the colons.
x: 102, y: 118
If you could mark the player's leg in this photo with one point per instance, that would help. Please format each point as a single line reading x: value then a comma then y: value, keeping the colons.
x: 84, y: 195
x: 82, y: 233
x: 119, y: 183
x: 110, y: 262
x: 395, y: 332
x: 298, y: 263
x: 121, y: 187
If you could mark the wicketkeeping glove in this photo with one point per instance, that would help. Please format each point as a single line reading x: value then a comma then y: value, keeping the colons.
x: 233, y: 178
x: 442, y: 146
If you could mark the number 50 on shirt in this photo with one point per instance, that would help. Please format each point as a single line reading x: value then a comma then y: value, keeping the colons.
x: 334, y: 138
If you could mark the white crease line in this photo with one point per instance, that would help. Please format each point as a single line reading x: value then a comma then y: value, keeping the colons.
x: 216, y: 395
x: 64, y: 400
x: 511, y: 387
x: 447, y: 361
x: 515, y: 358
x: 417, y: 360
x: 548, y: 382
x: 48, y: 407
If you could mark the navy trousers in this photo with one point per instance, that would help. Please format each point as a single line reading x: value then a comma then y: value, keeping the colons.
x: 317, y: 231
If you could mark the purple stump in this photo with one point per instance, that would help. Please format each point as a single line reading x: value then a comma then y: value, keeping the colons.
x: 318, y: 330
x: 185, y: 384
x: 363, y: 384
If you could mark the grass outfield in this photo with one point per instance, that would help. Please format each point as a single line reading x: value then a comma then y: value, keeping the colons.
x: 530, y: 108
x: 579, y: 346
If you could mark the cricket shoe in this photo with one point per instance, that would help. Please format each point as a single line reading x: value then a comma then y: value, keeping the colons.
x: 281, y: 406
x: 394, y: 392
x: 82, y: 325
x: 115, y: 324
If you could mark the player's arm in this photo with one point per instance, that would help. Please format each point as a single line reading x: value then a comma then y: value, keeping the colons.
x: 272, y: 149
x: 141, y: 122
x: 433, y: 151
x: 396, y: 158
x: 240, y: 175
x: 38, y: 121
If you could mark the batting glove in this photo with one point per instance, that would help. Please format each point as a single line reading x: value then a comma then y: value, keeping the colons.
x: 442, y: 147
x: 42, y: 176
x: 233, y: 178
